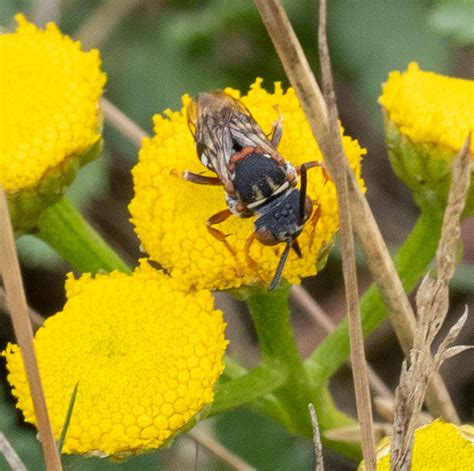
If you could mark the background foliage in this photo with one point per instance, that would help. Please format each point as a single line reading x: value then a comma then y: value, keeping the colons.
x: 160, y: 50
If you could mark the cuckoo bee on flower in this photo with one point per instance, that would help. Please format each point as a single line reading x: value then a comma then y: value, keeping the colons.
x: 257, y: 180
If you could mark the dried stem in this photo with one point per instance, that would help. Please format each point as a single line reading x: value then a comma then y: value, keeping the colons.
x: 377, y: 255
x: 206, y: 441
x: 318, y: 447
x: 10, y: 455
x: 432, y: 305
x: 122, y: 123
x: 16, y: 301
x: 106, y: 17
x: 35, y: 318
x: 337, y: 159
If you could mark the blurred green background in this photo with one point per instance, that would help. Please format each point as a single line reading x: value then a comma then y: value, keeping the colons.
x: 153, y: 52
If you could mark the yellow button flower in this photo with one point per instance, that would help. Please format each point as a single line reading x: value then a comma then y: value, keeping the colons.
x: 428, y: 117
x: 438, y: 446
x: 50, y: 122
x: 145, y: 357
x: 169, y: 213
x: 430, y: 108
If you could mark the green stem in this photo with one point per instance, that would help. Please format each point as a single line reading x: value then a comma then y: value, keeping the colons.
x: 411, y: 262
x: 270, y: 314
x: 66, y: 231
x: 271, y: 317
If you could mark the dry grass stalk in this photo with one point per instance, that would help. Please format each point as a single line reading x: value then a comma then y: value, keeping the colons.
x: 339, y: 160
x: 432, y: 302
x: 10, y: 455
x: 122, y: 123
x: 219, y: 451
x: 353, y: 434
x: 16, y: 301
x: 380, y: 263
x: 35, y: 318
x: 103, y: 21
x: 318, y: 446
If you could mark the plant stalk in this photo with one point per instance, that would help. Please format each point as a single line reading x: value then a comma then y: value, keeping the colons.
x: 66, y: 231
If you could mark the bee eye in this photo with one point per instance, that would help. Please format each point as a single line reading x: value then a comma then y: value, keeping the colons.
x: 266, y: 236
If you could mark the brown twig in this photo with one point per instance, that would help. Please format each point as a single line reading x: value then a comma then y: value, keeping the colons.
x: 10, y: 272
x: 120, y: 121
x: 337, y: 160
x: 318, y: 446
x: 10, y: 455
x: 100, y: 24
x: 432, y: 306
x: 206, y: 441
x: 380, y: 264
x: 35, y: 318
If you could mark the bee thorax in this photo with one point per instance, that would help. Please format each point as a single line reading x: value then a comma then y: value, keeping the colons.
x: 257, y: 178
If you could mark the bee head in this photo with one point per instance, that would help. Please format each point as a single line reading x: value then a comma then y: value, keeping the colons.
x: 282, y: 219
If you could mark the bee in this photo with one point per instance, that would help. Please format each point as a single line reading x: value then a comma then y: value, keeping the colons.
x: 257, y: 180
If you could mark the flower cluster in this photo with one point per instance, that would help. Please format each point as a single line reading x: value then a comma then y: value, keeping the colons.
x: 144, y: 355
x: 428, y: 118
x: 169, y: 213
x: 438, y: 445
x: 50, y: 122
x: 430, y: 108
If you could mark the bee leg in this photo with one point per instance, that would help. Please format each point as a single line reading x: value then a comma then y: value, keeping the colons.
x: 221, y: 216
x: 201, y: 179
x: 250, y: 261
x: 314, y: 221
x: 315, y: 163
x: 296, y: 247
x: 277, y: 131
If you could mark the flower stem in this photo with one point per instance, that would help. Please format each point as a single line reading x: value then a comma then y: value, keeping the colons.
x: 65, y: 230
x: 270, y: 314
x: 271, y: 317
x: 411, y: 262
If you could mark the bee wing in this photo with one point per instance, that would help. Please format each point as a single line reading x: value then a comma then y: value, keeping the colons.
x: 207, y: 121
x: 245, y: 131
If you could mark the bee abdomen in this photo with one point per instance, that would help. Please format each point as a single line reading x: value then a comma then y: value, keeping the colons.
x: 257, y: 177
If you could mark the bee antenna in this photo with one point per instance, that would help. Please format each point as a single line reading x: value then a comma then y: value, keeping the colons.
x: 283, y: 258
x: 304, y: 182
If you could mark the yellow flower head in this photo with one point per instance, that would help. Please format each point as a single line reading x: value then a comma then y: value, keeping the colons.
x: 145, y: 357
x: 430, y: 108
x: 438, y: 445
x: 50, y: 121
x: 169, y: 213
x: 428, y: 117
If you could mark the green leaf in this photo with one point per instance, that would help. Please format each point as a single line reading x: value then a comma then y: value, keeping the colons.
x: 67, y: 421
x: 248, y: 388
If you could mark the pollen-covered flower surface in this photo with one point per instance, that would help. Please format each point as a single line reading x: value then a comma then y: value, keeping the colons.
x: 145, y: 358
x: 430, y: 108
x: 428, y: 118
x: 50, y: 120
x: 438, y: 446
x: 169, y: 213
